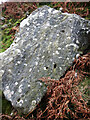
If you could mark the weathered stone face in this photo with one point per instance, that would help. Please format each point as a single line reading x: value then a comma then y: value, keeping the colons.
x: 46, y: 45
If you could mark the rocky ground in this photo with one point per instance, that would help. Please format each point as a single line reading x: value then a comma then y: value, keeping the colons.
x: 57, y: 103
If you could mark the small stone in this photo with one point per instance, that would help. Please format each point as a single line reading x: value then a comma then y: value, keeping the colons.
x: 34, y: 102
x: 77, y: 55
x: 60, y: 8
x: 75, y: 74
x: 2, y: 18
x: 11, y: 113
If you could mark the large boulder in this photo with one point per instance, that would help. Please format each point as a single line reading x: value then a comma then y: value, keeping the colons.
x: 45, y: 46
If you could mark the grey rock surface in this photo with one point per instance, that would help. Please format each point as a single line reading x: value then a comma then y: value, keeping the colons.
x: 45, y: 46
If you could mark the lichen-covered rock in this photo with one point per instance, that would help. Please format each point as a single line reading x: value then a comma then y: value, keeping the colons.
x: 46, y: 45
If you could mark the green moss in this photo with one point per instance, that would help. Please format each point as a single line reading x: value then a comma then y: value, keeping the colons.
x: 84, y: 88
x: 6, y: 39
x: 6, y: 106
x: 18, y: 21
